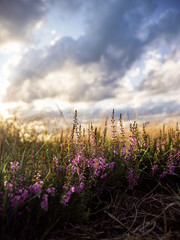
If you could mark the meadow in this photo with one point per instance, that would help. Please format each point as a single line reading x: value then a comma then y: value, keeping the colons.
x: 99, y: 182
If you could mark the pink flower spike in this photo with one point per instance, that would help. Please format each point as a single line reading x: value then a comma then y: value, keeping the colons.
x: 72, y: 189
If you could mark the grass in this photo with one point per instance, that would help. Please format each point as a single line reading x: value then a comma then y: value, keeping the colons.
x: 105, y: 182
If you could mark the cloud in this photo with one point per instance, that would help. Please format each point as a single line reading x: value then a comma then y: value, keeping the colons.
x: 111, y: 44
x: 163, y: 80
x: 166, y: 28
x: 70, y: 6
x: 18, y: 18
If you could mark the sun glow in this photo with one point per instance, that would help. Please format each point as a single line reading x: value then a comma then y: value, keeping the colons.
x: 3, y: 111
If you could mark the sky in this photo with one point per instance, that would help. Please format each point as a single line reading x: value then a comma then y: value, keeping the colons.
x: 93, y: 56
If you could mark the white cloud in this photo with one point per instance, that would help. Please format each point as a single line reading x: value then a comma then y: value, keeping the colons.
x: 56, y: 39
x: 11, y: 48
x: 134, y: 72
x: 151, y: 64
x: 162, y: 78
x: 53, y: 32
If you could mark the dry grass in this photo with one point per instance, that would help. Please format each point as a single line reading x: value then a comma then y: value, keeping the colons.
x: 130, y: 216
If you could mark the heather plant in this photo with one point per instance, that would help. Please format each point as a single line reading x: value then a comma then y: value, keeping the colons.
x: 49, y: 182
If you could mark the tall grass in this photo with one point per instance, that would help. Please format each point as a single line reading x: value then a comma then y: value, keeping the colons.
x: 50, y: 184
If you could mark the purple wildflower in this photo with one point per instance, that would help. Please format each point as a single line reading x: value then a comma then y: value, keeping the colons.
x: 51, y: 191
x: 178, y: 155
x: 132, y: 144
x: 104, y: 175
x: 132, y: 178
x: 80, y: 187
x: 10, y: 187
x: 15, y: 200
x: 163, y: 174
x: 171, y: 166
x: 35, y: 188
x: 28, y: 209
x: 154, y: 168
x: 123, y: 151
x: 111, y: 165
x: 14, y: 166
x: 25, y: 195
x: 60, y: 169
x: 68, y: 195
x: 44, y: 202
x: 96, y: 173
x: 10, y: 195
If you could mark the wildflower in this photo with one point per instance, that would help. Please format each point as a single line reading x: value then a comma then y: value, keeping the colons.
x: 15, y: 200
x: 111, y: 165
x: 171, y: 166
x: 140, y: 143
x: 178, y: 155
x: 20, y: 191
x: 154, y: 168
x: 44, y: 202
x: 157, y: 147
x: 80, y: 187
x: 66, y: 200
x: 60, y: 169
x: 68, y: 195
x: 35, y: 188
x: 163, y: 174
x: 56, y: 161
x: 115, y: 152
x: 28, y: 209
x: 104, y: 175
x: 10, y: 195
x: 123, y: 151
x: 72, y: 189
x: 96, y: 173
x: 132, y: 178
x: 132, y: 144
x: 14, y: 166
x: 10, y: 187
x: 51, y: 191
x: 25, y: 195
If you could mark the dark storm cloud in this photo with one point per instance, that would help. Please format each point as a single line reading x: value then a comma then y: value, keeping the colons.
x: 167, y: 28
x: 90, y: 92
x: 18, y: 18
x: 113, y: 40
x: 71, y: 6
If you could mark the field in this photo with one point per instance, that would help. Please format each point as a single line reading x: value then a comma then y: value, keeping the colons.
x: 100, y: 182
